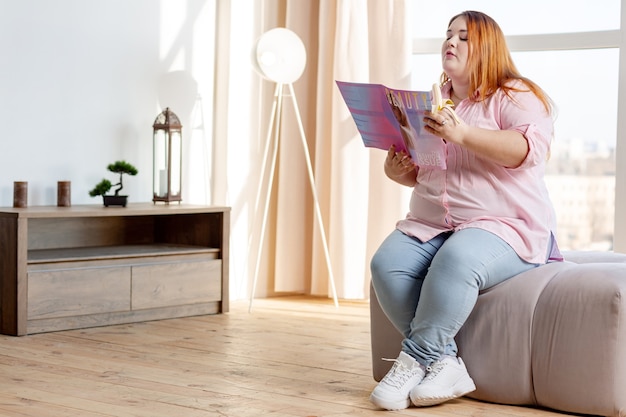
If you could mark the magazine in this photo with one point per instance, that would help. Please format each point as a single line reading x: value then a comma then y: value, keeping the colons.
x: 386, y: 116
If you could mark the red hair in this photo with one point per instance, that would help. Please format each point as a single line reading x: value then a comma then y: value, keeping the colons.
x: 490, y: 64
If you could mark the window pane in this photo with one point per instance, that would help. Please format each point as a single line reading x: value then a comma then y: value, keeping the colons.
x: 581, y: 171
x: 520, y: 18
x: 426, y: 70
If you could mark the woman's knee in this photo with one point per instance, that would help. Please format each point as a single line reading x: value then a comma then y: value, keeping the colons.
x: 381, y: 271
x: 376, y: 260
x: 382, y: 260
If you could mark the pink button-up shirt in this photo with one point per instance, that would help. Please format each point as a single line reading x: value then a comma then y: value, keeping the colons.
x: 512, y: 203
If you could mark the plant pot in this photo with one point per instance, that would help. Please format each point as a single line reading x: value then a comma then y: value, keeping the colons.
x: 115, y: 200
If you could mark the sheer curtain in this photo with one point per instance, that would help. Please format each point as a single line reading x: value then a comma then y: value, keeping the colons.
x: 361, y: 44
x: 349, y: 40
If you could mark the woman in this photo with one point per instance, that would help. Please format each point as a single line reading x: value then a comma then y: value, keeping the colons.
x: 484, y: 219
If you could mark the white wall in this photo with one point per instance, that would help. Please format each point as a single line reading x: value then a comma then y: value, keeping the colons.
x: 81, y: 82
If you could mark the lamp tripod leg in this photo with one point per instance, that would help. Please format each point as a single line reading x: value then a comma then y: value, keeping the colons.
x: 274, y: 126
x: 318, y: 213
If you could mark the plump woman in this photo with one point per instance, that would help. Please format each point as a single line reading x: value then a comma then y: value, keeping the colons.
x: 483, y: 219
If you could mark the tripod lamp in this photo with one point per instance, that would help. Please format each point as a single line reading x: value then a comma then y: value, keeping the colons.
x: 280, y: 56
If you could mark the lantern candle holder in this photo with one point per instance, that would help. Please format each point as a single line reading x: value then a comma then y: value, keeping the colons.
x: 167, y: 157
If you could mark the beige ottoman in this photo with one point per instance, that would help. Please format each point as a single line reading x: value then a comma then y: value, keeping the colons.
x: 554, y: 336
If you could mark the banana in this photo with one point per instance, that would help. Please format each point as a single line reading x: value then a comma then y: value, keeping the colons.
x: 439, y: 104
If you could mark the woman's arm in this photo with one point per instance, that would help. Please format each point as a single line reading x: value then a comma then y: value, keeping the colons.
x: 505, y: 147
x: 526, y: 128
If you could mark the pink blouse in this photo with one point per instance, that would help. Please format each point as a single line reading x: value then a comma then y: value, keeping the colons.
x: 512, y: 203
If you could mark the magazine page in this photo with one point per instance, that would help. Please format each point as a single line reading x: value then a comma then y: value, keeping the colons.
x: 386, y: 116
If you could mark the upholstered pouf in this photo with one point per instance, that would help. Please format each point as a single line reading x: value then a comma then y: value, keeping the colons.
x: 554, y: 337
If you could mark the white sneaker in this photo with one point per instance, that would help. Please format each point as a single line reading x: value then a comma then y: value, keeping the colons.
x: 392, y: 392
x: 445, y: 380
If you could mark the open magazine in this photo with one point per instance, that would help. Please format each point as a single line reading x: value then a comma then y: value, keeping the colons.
x: 386, y: 116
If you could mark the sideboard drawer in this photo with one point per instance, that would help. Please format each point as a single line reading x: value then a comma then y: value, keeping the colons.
x: 181, y: 283
x: 78, y: 291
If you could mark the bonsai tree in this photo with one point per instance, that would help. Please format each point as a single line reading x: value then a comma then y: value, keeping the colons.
x: 103, y: 187
x: 118, y: 167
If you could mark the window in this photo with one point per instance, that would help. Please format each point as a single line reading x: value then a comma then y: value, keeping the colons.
x: 580, y: 72
x: 527, y: 18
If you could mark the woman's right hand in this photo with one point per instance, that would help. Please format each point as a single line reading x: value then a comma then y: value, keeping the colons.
x: 400, y: 167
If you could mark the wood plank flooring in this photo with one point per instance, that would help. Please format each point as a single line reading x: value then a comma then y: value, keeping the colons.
x: 288, y: 357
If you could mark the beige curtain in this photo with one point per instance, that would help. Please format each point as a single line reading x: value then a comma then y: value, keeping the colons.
x: 349, y: 40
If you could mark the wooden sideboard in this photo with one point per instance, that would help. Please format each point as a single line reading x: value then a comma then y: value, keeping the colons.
x: 84, y: 266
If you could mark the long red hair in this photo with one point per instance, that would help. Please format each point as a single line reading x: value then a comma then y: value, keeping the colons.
x: 490, y: 64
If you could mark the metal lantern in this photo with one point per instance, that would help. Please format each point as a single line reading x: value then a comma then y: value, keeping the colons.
x: 167, y: 157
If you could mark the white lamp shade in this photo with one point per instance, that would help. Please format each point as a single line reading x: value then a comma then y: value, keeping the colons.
x: 279, y: 55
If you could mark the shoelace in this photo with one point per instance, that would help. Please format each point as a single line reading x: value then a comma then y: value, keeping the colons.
x: 433, y: 371
x: 399, y: 373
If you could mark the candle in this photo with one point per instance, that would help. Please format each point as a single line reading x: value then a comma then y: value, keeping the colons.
x: 162, y: 183
x: 20, y: 194
x: 64, y: 193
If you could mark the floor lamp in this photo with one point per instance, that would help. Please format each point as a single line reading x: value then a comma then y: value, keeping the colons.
x: 279, y: 56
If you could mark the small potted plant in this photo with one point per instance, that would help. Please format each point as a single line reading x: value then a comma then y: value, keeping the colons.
x: 103, y: 187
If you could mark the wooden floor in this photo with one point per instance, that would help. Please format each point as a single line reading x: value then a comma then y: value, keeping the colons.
x: 289, y: 357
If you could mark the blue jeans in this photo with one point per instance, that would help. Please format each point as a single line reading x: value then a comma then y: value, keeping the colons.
x: 428, y: 289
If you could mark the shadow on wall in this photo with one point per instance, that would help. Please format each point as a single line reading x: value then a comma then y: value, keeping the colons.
x: 178, y: 90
